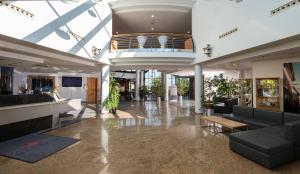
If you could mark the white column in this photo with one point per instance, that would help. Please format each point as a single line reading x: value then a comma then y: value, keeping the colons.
x: 137, y: 85
x: 104, y: 86
x: 165, y: 75
x: 142, y: 78
x: 198, y: 89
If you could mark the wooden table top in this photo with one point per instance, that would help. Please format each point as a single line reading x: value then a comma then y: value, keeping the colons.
x: 224, y: 122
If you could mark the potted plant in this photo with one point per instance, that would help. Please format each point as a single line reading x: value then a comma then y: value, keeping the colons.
x: 157, y: 89
x: 182, y: 88
x: 209, y: 96
x: 143, y: 92
x: 111, y: 103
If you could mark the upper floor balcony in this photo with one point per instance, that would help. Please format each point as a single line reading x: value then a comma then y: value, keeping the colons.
x: 152, y: 42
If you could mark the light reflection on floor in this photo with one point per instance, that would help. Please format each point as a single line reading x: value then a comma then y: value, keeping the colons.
x: 144, y: 138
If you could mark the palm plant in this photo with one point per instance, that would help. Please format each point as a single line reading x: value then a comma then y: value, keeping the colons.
x: 111, y: 103
x: 143, y: 91
x: 182, y: 87
x: 157, y: 88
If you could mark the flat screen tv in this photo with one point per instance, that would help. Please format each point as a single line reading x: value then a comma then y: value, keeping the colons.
x: 71, y: 81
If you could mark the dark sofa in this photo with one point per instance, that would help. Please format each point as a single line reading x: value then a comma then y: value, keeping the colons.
x: 256, y: 118
x: 226, y: 107
x: 271, y: 146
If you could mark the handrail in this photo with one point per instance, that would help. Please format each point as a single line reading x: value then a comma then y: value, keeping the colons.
x: 152, y: 42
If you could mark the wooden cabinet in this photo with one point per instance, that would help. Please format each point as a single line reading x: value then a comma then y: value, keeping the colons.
x: 268, y: 94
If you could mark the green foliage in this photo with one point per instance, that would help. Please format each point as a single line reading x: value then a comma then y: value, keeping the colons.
x: 112, y: 101
x: 218, y: 86
x: 209, y: 93
x: 143, y: 91
x: 182, y: 86
x: 157, y: 88
x: 225, y: 87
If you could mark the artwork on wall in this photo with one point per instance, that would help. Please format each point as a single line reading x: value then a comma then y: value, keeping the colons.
x: 6, y: 80
x: 291, y: 87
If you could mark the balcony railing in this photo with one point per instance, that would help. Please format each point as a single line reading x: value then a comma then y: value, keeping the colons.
x: 152, y: 42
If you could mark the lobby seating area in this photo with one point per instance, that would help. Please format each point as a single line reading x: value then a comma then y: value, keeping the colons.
x: 274, y: 140
x: 256, y: 118
x: 224, y: 105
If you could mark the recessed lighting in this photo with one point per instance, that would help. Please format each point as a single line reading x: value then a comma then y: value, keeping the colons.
x: 152, y: 28
x: 117, y: 32
x: 188, y: 32
x: 152, y: 16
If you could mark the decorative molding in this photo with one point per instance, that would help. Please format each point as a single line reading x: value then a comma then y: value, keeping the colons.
x: 228, y: 33
x: 284, y: 7
x: 15, y: 8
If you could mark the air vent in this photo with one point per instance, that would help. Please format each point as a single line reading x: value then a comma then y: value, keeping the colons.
x: 284, y: 7
x: 77, y: 36
x: 16, y: 9
x: 228, y: 33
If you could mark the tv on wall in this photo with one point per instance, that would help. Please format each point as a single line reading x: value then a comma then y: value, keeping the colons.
x: 71, y: 81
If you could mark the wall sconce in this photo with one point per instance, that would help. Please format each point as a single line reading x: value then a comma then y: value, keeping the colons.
x: 96, y: 51
x: 207, y: 50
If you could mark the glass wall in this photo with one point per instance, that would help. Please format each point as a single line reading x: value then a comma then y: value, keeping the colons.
x: 150, y: 75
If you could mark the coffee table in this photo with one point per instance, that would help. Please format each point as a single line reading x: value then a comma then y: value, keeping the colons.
x: 232, y: 125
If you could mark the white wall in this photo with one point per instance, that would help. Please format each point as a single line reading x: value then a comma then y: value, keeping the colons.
x: 256, y: 25
x: 270, y: 69
x: 52, y: 20
x: 66, y: 92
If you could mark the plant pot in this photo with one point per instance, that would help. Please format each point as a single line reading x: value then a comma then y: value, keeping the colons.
x: 113, y: 111
x: 180, y: 98
x: 158, y: 100
x: 210, y: 112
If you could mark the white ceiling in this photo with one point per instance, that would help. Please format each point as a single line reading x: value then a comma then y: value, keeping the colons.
x: 140, y: 22
x: 134, y: 16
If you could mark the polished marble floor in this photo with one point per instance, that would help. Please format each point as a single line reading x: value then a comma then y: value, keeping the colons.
x: 144, y: 139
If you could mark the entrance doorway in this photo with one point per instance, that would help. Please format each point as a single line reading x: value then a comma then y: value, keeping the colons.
x: 92, y: 86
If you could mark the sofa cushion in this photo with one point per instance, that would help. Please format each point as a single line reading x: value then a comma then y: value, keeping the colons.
x: 260, y: 123
x: 268, y: 116
x: 266, y: 140
x: 232, y: 117
x: 243, y: 112
x: 290, y: 117
x: 292, y: 132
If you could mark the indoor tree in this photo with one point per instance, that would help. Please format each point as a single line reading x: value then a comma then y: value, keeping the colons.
x: 157, y: 89
x: 143, y: 92
x: 182, y: 87
x: 111, y: 103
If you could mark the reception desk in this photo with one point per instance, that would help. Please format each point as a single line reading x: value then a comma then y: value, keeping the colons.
x: 19, y: 120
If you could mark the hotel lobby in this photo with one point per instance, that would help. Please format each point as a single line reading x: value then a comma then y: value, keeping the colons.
x: 150, y: 86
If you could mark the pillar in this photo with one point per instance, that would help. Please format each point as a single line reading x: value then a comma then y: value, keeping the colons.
x: 142, y: 78
x: 105, y: 73
x: 165, y: 81
x: 198, y: 89
x: 137, y: 85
